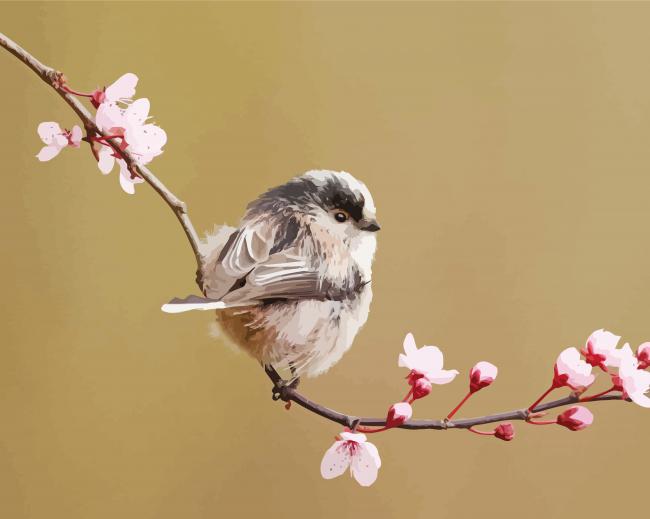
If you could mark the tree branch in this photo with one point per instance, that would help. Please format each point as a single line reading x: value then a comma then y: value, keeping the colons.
x: 282, y: 390
x: 56, y: 79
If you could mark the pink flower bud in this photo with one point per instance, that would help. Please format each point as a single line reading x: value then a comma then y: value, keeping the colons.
x: 398, y: 414
x: 421, y: 388
x: 482, y: 375
x: 505, y: 431
x: 643, y: 355
x: 575, y: 418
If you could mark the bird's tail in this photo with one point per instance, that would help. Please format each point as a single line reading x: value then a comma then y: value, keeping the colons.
x: 178, y: 305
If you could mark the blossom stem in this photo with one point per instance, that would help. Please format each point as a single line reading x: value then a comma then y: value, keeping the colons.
x: 542, y: 422
x: 460, y: 404
x: 104, y: 138
x: 74, y: 92
x: 588, y: 398
x: 480, y: 433
x: 370, y: 430
x: 407, y: 398
x: 542, y: 397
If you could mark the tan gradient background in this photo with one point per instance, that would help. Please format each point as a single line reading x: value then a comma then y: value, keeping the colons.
x: 507, y: 148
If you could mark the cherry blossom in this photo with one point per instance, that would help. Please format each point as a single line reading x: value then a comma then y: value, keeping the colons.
x: 632, y: 381
x: 643, y: 355
x: 398, y: 414
x: 482, y: 375
x: 352, y: 450
x: 576, y: 418
x: 424, y: 362
x: 55, y: 139
x: 144, y: 141
x: 600, y: 350
x: 572, y: 371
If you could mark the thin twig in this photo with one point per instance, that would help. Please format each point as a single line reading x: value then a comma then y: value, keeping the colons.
x: 282, y: 390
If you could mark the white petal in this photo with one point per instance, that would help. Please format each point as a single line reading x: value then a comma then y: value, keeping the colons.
x: 372, y: 450
x: 137, y: 112
x: 603, y: 341
x: 640, y: 399
x: 364, y: 466
x: 403, y: 361
x: 106, y: 160
x: 123, y: 88
x: 75, y: 135
x: 48, y: 153
x: 353, y: 437
x: 108, y: 116
x: 48, y: 130
x: 335, y: 461
x: 409, y: 344
x: 126, y: 182
x: 442, y: 377
x: 428, y: 358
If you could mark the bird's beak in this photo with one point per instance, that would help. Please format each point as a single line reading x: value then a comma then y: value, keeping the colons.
x: 370, y: 225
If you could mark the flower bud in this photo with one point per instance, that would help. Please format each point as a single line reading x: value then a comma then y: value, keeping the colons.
x: 643, y: 355
x: 421, y: 388
x: 505, y: 431
x: 575, y: 418
x: 482, y: 375
x: 398, y: 414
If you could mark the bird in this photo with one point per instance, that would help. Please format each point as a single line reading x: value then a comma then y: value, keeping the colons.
x: 291, y: 285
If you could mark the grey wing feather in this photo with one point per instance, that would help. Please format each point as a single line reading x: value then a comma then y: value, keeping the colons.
x: 246, y: 272
x: 284, y: 275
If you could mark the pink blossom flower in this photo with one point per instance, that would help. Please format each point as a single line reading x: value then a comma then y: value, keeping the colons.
x: 398, y: 414
x: 572, y: 371
x: 55, y: 139
x: 576, y: 418
x: 352, y: 450
x: 505, y: 431
x: 482, y: 375
x: 600, y: 349
x: 144, y: 141
x: 424, y: 362
x: 643, y: 355
x: 632, y: 381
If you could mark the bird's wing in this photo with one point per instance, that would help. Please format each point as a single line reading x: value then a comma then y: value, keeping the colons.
x: 248, y: 273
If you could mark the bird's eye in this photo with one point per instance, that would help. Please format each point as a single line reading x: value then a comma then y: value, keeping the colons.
x: 340, y: 216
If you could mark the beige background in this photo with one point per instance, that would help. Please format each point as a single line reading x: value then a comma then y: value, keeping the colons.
x: 507, y: 149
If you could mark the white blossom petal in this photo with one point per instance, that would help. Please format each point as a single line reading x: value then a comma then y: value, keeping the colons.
x: 442, y: 376
x: 122, y: 88
x: 48, y: 153
x: 47, y: 131
x: 335, y: 461
x: 106, y: 160
x: 410, y: 347
x: 364, y: 466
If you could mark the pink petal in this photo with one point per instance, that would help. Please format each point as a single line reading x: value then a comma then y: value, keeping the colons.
x: 335, y: 461
x: 487, y: 369
x: 48, y: 153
